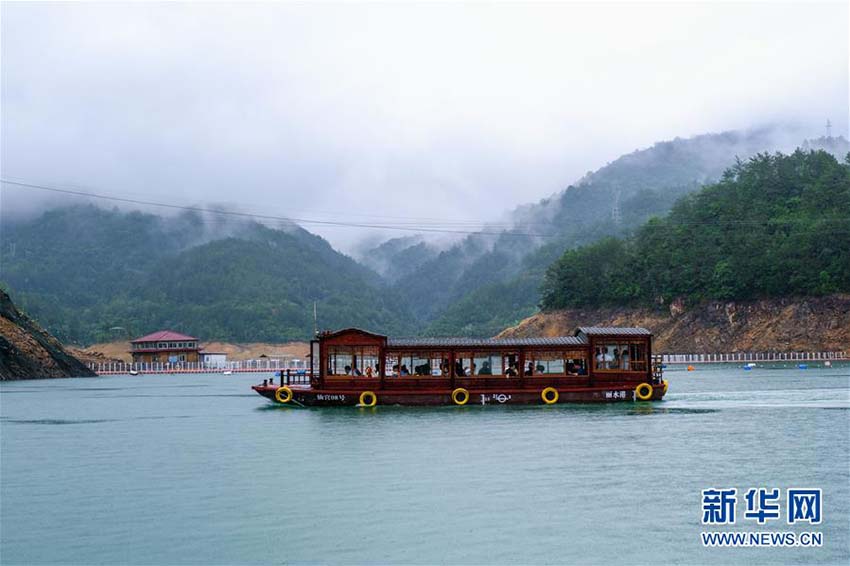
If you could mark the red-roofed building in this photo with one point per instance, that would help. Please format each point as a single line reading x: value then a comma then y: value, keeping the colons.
x: 165, y: 346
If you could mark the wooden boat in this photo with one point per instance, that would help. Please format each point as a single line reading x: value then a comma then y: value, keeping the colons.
x: 358, y: 368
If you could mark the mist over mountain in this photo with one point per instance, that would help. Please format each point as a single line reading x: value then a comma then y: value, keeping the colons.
x: 90, y: 274
x: 397, y: 258
x: 610, y: 201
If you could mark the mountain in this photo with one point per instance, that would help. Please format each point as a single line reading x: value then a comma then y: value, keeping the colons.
x: 28, y: 352
x: 486, y: 285
x: 90, y: 275
x: 759, y: 261
x: 93, y: 275
x: 397, y: 258
x: 773, y: 226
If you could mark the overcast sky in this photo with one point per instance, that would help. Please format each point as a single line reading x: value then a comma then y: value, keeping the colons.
x: 375, y: 112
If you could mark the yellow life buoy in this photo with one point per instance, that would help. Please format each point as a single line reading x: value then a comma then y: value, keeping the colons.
x: 283, y: 390
x: 643, y: 391
x: 550, y: 395
x: 665, y: 387
x: 368, y: 399
x: 460, y: 396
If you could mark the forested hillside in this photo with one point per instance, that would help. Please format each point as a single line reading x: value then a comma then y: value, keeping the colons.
x: 775, y: 225
x: 612, y: 201
x: 82, y: 271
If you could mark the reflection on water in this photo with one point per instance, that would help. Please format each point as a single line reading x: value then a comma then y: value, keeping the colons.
x: 198, y: 469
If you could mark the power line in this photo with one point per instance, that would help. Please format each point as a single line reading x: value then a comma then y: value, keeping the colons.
x: 385, y: 226
x: 667, y: 224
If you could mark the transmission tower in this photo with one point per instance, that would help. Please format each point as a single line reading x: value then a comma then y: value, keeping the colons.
x: 615, y: 209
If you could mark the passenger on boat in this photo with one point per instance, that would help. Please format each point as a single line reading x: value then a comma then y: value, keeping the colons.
x: 368, y: 371
x: 530, y: 369
x: 541, y: 368
x: 485, y: 368
x: 444, y: 367
x: 347, y: 370
x: 404, y: 370
x: 616, y: 358
x: 395, y: 370
x: 608, y: 360
x: 600, y: 358
x: 459, y: 371
x: 265, y: 382
x: 624, y: 359
x: 512, y: 370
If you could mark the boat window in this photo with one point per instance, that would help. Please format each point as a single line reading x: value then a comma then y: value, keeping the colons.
x: 367, y: 358
x: 510, y: 364
x: 420, y: 364
x: 340, y: 359
x: 487, y: 363
x: 463, y: 364
x: 621, y: 356
x: 545, y: 363
x: 315, y: 360
x: 576, y: 365
x: 350, y: 360
x: 570, y: 362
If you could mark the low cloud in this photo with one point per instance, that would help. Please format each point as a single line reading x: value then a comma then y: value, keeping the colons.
x: 434, y: 115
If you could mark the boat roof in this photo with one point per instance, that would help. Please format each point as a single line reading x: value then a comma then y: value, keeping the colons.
x: 582, y: 336
x: 449, y: 342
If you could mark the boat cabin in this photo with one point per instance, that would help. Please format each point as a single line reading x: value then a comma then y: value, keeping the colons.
x: 593, y: 356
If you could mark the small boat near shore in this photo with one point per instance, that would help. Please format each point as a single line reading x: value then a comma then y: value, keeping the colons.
x: 353, y: 367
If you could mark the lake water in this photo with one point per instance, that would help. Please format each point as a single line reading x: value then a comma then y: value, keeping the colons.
x: 198, y: 469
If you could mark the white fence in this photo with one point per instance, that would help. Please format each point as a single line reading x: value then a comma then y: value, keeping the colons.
x: 263, y: 365
x: 744, y: 357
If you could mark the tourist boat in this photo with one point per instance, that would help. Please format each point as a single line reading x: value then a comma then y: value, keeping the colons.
x: 358, y: 368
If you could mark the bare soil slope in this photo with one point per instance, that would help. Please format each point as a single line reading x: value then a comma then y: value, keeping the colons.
x: 28, y: 352
x: 789, y: 324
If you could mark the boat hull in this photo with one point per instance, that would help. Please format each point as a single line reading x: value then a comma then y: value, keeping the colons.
x: 311, y: 397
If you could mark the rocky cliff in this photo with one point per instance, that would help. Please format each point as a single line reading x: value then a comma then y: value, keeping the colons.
x: 788, y: 324
x: 28, y: 352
